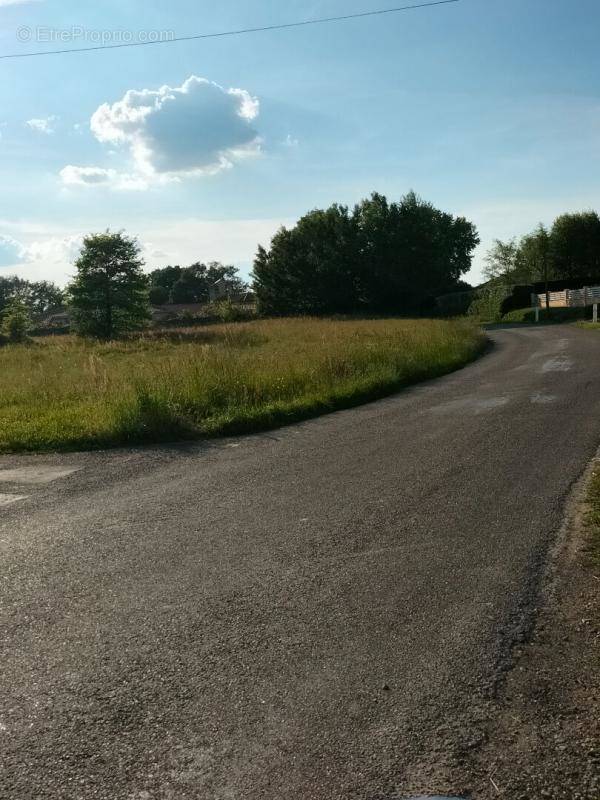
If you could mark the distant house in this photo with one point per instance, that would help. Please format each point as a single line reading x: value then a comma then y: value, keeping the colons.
x: 60, y: 319
x: 224, y: 289
x: 220, y: 290
x: 175, y: 311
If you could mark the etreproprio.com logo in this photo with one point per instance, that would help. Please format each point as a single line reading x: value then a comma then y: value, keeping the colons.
x: 79, y: 34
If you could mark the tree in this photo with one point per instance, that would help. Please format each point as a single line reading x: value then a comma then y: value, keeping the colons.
x: 534, y: 255
x: 159, y: 295
x: 39, y: 297
x: 311, y: 268
x: 575, y: 246
x: 109, y: 295
x: 382, y: 257
x: 410, y: 251
x: 192, y: 284
x: 503, y: 263
x: 16, y: 322
x: 43, y: 296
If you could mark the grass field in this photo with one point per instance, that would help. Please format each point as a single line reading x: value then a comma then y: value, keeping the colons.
x: 65, y: 393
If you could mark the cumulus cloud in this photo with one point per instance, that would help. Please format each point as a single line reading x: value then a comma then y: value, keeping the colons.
x: 198, y: 128
x: 53, y: 250
x: 11, y: 251
x: 43, y: 125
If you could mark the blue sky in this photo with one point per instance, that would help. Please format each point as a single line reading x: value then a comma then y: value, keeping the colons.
x: 487, y: 108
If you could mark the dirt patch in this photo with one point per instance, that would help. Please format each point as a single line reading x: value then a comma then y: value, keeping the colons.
x: 544, y: 737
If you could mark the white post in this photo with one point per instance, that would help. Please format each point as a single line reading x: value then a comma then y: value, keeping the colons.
x: 596, y: 313
x: 537, y: 313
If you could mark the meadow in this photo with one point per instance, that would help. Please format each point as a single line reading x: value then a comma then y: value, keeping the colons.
x: 65, y: 393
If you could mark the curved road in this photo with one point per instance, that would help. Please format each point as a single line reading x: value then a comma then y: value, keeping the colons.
x: 321, y: 612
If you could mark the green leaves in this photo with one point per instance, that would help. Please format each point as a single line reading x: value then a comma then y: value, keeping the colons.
x: 16, y: 322
x: 379, y: 257
x: 109, y: 296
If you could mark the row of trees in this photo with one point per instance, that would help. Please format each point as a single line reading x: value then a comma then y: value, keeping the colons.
x: 191, y: 284
x: 110, y: 294
x: 38, y: 297
x: 379, y: 257
x: 570, y: 250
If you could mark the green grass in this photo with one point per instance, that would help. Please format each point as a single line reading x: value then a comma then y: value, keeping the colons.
x: 64, y: 393
x: 555, y: 315
x: 589, y: 326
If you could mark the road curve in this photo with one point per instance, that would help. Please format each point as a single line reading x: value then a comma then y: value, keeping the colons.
x: 320, y: 612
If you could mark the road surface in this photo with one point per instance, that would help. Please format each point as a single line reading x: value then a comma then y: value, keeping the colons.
x: 320, y: 612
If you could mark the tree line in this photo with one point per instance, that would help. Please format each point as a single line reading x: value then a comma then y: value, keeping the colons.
x: 191, y: 284
x: 378, y: 257
x: 110, y: 295
x: 569, y: 251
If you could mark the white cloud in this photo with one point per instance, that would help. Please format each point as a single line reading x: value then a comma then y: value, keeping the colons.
x: 98, y: 176
x: 230, y: 241
x: 43, y: 125
x: 198, y: 128
x: 11, y: 251
x: 47, y: 252
x: 55, y: 250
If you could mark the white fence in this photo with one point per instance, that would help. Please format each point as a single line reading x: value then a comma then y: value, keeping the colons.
x: 569, y: 298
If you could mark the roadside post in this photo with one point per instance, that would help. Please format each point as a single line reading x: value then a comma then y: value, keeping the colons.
x: 535, y: 305
x: 596, y: 313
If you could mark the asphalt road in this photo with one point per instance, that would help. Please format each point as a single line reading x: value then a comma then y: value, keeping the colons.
x: 320, y: 612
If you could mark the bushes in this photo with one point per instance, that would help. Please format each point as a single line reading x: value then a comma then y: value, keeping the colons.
x: 488, y: 305
x: 15, y: 322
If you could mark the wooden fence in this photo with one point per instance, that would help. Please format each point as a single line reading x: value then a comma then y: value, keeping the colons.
x: 569, y: 298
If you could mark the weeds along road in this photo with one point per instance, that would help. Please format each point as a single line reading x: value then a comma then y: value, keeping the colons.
x: 319, y: 612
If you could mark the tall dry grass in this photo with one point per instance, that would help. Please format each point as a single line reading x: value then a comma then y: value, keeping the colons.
x: 66, y: 393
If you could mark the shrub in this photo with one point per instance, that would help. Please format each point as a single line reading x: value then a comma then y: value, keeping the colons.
x: 227, y: 311
x: 488, y: 305
x: 16, y: 322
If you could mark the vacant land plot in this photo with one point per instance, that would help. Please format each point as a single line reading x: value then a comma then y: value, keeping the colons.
x: 66, y: 393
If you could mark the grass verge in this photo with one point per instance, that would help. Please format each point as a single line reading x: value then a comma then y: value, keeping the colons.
x: 594, y: 515
x: 66, y: 394
x: 556, y: 315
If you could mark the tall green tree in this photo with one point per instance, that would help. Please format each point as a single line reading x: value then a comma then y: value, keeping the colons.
x: 311, y: 268
x: 535, y: 257
x: 410, y: 251
x: 381, y: 257
x: 109, y: 296
x: 575, y: 246
x: 503, y: 263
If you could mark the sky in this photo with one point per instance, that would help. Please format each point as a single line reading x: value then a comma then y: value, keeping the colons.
x: 203, y: 149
